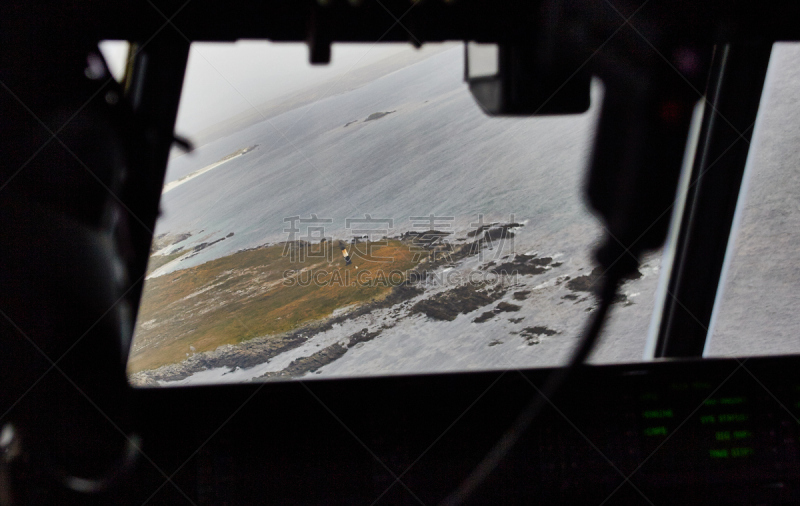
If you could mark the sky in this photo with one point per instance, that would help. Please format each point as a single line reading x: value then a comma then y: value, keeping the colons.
x: 226, y: 79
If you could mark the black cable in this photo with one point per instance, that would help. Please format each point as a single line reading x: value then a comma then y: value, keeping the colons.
x: 501, y: 448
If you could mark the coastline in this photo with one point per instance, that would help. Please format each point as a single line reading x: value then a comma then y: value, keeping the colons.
x: 199, y: 172
x: 501, y: 321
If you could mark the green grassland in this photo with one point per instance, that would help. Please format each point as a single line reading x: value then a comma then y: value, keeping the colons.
x: 258, y: 292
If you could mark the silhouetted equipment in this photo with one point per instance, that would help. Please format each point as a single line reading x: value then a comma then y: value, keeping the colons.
x: 83, y: 164
x: 510, y: 80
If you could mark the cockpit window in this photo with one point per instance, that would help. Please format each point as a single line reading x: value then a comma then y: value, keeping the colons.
x: 367, y: 218
x: 756, y: 313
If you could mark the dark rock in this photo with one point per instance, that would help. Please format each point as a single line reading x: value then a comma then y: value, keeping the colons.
x: 586, y: 283
x: 494, y: 234
x: 532, y: 334
x: 363, y: 337
x: 488, y: 315
x: 205, y: 245
x: 505, y: 307
x: 523, y: 264
x: 539, y: 331
x: 460, y: 300
x: 495, y: 230
x: 302, y: 365
x: 589, y: 282
x: 378, y: 115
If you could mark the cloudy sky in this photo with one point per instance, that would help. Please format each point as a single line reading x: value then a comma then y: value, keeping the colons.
x: 226, y: 79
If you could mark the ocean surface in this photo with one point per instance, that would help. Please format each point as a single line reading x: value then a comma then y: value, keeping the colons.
x: 436, y: 153
x: 756, y: 312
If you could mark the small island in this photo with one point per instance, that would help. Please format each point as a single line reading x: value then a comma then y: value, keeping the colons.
x: 378, y: 115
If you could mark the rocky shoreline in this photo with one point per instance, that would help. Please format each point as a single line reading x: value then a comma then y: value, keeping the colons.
x: 439, y: 305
